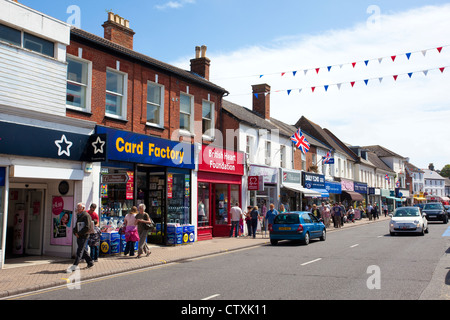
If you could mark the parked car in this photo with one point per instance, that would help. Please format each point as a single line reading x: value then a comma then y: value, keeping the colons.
x: 435, y: 212
x: 297, y: 225
x: 408, y: 219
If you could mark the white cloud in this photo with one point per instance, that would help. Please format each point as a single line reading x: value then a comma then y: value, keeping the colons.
x: 409, y: 116
x: 174, y: 4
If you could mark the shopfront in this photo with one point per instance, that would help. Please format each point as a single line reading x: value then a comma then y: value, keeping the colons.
x: 291, y: 189
x: 335, y: 190
x: 269, y: 191
x: 219, y: 179
x: 149, y: 170
x: 43, y: 174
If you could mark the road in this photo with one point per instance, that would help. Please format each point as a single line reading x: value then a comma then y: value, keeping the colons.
x: 358, y: 263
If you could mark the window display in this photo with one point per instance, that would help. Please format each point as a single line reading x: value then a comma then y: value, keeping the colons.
x: 117, y: 193
x: 178, y: 197
x: 203, y: 204
x: 221, y: 203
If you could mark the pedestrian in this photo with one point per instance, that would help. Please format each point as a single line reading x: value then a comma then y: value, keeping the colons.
x: 375, y: 211
x: 80, y: 230
x: 248, y: 220
x: 325, y: 213
x: 131, y: 232
x: 343, y: 213
x: 351, y: 214
x: 316, y: 211
x: 385, y: 209
x: 254, y: 214
x: 94, y: 243
x: 142, y: 220
x: 271, y: 214
x: 93, y: 214
x: 236, y: 215
x: 282, y: 209
x: 369, y: 211
x: 337, y: 215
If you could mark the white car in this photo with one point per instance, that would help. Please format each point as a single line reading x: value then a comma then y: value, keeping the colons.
x: 408, y: 219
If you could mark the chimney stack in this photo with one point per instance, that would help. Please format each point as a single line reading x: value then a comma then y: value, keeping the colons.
x: 261, y: 100
x: 117, y: 30
x: 200, y: 65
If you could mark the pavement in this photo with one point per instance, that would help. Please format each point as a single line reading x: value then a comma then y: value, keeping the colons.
x: 25, y: 275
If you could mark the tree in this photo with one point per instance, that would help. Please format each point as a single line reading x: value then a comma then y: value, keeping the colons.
x: 445, y: 172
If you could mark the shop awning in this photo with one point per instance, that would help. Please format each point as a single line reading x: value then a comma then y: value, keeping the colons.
x: 323, y: 192
x: 354, y: 195
x: 394, y: 198
x: 420, y: 198
x: 298, y: 188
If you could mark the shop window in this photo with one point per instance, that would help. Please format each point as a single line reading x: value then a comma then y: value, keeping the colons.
x: 203, y: 204
x: 117, y: 194
x: 179, y: 197
x: 221, y: 203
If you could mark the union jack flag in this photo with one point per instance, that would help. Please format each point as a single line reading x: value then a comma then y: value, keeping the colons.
x: 327, y: 158
x: 300, y: 141
x: 387, y: 178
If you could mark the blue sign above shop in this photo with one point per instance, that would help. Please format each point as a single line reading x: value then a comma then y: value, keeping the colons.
x: 360, y: 187
x: 333, y: 187
x: 138, y: 148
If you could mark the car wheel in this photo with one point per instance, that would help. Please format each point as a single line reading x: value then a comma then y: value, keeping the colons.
x: 273, y: 242
x: 324, y: 235
x: 306, y: 240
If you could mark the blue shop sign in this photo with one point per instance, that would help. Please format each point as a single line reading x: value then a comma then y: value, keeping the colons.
x: 360, y: 187
x: 313, y: 181
x: 138, y: 148
x: 333, y: 187
x: 2, y: 176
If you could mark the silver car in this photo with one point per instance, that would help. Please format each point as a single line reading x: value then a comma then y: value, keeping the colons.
x: 408, y: 220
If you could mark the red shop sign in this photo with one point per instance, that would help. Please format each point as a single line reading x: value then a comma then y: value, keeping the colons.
x: 253, y: 183
x: 213, y: 159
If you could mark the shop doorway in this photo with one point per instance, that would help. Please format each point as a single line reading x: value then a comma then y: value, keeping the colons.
x: 25, y: 222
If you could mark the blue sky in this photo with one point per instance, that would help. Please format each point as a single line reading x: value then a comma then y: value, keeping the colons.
x: 168, y: 32
x: 249, y: 38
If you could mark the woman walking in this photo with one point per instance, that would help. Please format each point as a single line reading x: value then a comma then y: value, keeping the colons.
x: 142, y: 220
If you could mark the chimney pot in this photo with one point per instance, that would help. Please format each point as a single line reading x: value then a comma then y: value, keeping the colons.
x: 200, y: 65
x: 117, y: 30
x: 261, y: 100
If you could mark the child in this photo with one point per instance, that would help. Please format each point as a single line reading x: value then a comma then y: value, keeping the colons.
x: 94, y: 243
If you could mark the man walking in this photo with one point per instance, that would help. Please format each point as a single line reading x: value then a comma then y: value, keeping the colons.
x: 236, y: 216
x: 80, y: 230
x: 270, y: 215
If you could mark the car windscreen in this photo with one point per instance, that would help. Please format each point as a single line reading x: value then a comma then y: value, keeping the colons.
x: 287, y: 219
x: 432, y: 206
x: 406, y: 212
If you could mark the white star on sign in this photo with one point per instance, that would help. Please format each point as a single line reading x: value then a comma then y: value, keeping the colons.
x: 95, y: 144
x: 67, y: 143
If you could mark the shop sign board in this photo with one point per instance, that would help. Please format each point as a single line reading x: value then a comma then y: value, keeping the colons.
x: 333, y: 187
x: 360, y: 187
x: 269, y: 175
x: 24, y: 140
x: 138, y: 148
x: 218, y: 160
x: 313, y: 180
x: 291, y: 176
x: 253, y: 183
x: 115, y: 178
x: 347, y: 185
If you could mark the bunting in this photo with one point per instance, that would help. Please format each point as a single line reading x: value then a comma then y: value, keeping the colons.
x: 353, y: 83
x: 366, y: 62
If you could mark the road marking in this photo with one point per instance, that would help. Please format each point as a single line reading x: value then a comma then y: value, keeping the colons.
x: 211, y: 297
x: 446, y: 233
x: 380, y: 236
x: 355, y: 245
x: 304, y: 264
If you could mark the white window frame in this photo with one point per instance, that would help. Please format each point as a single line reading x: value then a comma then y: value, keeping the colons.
x: 88, y: 97
x: 161, y: 106
x: 212, y: 128
x: 189, y: 132
x: 124, y: 95
x: 268, y: 152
